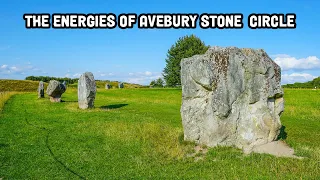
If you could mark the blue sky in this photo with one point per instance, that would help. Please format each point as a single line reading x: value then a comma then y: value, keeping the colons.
x: 138, y: 55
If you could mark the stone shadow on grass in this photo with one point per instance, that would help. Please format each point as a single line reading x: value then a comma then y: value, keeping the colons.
x: 113, y: 106
x: 3, y: 145
x: 282, y: 134
x: 67, y: 101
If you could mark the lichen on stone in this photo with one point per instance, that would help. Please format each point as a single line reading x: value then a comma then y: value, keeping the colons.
x: 232, y: 107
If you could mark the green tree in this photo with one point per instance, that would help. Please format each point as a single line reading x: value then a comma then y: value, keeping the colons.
x: 153, y: 83
x: 184, y: 47
x: 157, y: 83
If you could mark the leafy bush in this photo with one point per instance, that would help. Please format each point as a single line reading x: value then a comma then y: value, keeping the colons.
x: 185, y: 47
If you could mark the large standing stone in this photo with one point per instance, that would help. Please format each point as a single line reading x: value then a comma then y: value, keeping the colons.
x: 41, y: 90
x: 65, y: 84
x: 86, y: 91
x: 121, y: 85
x: 108, y: 86
x: 55, y: 89
x: 231, y: 97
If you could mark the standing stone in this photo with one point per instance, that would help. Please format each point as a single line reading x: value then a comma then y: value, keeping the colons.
x: 65, y: 84
x: 121, y: 85
x: 108, y: 86
x: 55, y: 89
x: 86, y: 91
x: 231, y: 97
x: 41, y: 90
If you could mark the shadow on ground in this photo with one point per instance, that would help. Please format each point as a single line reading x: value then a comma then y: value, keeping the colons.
x: 282, y: 134
x: 68, y: 101
x: 3, y: 145
x: 113, y: 106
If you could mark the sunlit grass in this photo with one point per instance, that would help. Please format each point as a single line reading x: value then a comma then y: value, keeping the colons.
x: 137, y: 134
x: 19, y: 85
x: 4, y: 96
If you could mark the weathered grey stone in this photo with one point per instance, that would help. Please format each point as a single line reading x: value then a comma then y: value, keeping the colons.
x: 55, y: 89
x: 108, y: 86
x: 86, y: 90
x: 121, y: 85
x: 65, y: 84
x: 41, y: 90
x: 231, y: 97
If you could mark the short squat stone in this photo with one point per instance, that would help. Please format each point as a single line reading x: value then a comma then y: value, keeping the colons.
x: 108, y: 86
x: 55, y: 89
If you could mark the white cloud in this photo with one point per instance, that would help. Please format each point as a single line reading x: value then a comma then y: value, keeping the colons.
x: 24, y: 69
x: 76, y: 75
x: 102, y: 74
x: 296, y: 77
x: 287, y: 62
x: 148, y: 73
x: 14, y: 68
x: 4, y: 66
x: 143, y: 78
x: 280, y: 56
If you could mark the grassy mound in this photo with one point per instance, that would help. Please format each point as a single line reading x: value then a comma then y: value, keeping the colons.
x: 137, y: 134
x: 19, y: 85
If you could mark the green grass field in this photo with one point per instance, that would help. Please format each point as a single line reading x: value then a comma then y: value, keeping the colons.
x: 137, y: 134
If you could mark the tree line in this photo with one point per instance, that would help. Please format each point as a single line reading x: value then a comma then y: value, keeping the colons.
x: 48, y: 78
x: 315, y: 83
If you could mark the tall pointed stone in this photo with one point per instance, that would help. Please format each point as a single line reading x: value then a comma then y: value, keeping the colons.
x: 86, y: 90
x: 41, y: 90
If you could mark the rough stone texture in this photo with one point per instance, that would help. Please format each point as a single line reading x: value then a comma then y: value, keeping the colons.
x: 65, y: 84
x: 121, y: 85
x: 41, y: 90
x: 86, y: 91
x: 108, y: 86
x: 231, y: 97
x: 55, y: 89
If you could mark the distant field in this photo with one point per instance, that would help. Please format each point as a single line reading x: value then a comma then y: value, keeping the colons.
x: 19, y: 85
x: 137, y: 134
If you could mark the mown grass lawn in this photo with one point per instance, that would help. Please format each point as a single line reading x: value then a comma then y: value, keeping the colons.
x: 137, y: 134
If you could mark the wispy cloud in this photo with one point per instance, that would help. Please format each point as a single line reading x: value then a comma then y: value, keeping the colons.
x: 296, y: 77
x: 19, y: 69
x: 4, y: 66
x: 143, y: 78
x: 287, y: 62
